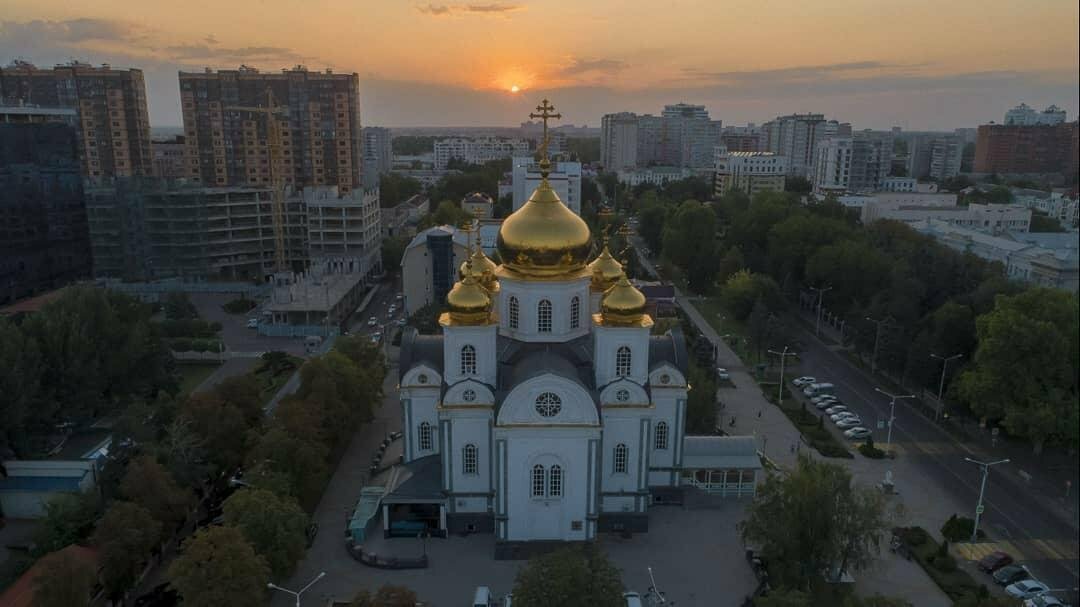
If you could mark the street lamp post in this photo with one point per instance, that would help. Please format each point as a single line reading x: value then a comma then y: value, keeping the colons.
x: 892, y: 411
x: 941, y: 386
x: 783, y: 357
x: 273, y: 586
x: 821, y: 295
x: 982, y: 489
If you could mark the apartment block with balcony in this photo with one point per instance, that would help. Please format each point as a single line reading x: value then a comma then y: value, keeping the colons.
x: 748, y: 172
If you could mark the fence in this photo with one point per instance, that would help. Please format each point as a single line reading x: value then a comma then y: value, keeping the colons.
x: 270, y: 330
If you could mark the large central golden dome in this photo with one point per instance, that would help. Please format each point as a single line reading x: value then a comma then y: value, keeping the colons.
x: 544, y: 238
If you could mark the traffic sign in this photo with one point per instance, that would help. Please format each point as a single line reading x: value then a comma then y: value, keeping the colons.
x: 881, y: 424
x: 980, y: 509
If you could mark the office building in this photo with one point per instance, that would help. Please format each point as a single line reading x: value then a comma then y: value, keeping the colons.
x: 618, y: 141
x: 1028, y: 149
x: 170, y: 158
x: 317, y: 114
x: 344, y: 230
x: 378, y: 153
x: 477, y: 151
x: 114, y: 123
x: 749, y: 172
x: 796, y: 137
x: 430, y: 265
x: 747, y: 138
x: 565, y: 179
x: 44, y: 241
x: 1024, y: 115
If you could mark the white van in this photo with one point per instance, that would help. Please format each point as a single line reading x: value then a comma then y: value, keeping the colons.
x: 818, y: 389
x: 482, y: 597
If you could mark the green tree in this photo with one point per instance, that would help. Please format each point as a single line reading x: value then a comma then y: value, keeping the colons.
x: 148, y: 484
x: 62, y: 581
x: 221, y: 426
x: 273, y: 525
x: 701, y: 403
x: 68, y: 519
x: 570, y: 577
x: 20, y: 377
x: 815, y: 520
x: 744, y: 288
x: 393, y: 250
x: 244, y: 393
x: 1025, y: 368
x: 218, y: 567
x: 395, y: 188
x: 651, y: 220
x: 792, y: 241
x: 785, y: 597
x: 278, y: 457
x: 178, y: 306
x: 386, y: 596
x: 691, y: 229
x: 798, y: 185
x: 730, y: 263
x: 875, y: 601
x: 126, y: 537
x: 855, y: 271
x: 1042, y: 223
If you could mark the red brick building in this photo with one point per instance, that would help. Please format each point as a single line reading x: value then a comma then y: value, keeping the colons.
x: 1027, y: 148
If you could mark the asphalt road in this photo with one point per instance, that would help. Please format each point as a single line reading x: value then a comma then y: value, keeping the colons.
x: 1011, y: 513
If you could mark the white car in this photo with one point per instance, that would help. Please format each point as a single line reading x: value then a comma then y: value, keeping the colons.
x: 1026, y: 589
x: 858, y: 433
x: 818, y: 399
x: 722, y: 374
x: 392, y: 309
x: 836, y: 409
x: 848, y: 422
x: 399, y: 297
x: 1044, y: 600
x: 371, y: 322
x: 253, y: 323
x: 805, y: 380
x: 843, y: 415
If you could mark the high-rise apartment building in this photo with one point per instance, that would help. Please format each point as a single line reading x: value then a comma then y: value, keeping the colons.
x: 114, y: 123
x: 796, y: 136
x: 619, y: 141
x: 318, y: 114
x: 749, y: 138
x: 749, y: 172
x: 832, y: 166
x: 477, y: 151
x: 871, y: 160
x: 933, y: 155
x: 378, y: 153
x: 1041, y: 148
x: 565, y: 179
x: 170, y: 158
x: 691, y: 134
x: 44, y: 243
x: 1024, y: 115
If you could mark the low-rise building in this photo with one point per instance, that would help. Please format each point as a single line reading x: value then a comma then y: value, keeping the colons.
x: 427, y: 177
x: 1053, y: 204
x: 654, y: 175
x: 990, y: 218
x: 430, y: 264
x: 478, y: 204
x: 401, y: 220
x: 749, y: 172
x: 317, y: 301
x: 477, y: 151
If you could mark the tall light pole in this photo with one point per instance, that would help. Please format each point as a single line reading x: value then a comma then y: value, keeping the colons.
x: 982, y: 489
x: 783, y: 356
x: 273, y: 586
x: 820, y: 296
x: 877, y: 338
x: 941, y: 386
x: 892, y: 411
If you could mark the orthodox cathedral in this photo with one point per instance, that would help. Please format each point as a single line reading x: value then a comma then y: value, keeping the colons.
x: 545, y: 410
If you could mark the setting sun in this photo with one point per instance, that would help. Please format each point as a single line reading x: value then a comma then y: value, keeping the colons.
x: 514, y: 88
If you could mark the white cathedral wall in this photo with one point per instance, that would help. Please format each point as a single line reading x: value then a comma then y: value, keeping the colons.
x: 419, y: 406
x: 671, y: 409
x: 529, y: 294
x: 482, y: 339
x: 608, y: 340
x: 467, y: 426
x: 631, y: 427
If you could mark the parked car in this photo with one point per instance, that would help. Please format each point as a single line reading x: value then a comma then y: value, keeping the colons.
x: 825, y: 404
x: 371, y: 322
x: 848, y: 422
x: 841, y: 416
x: 818, y: 389
x: 858, y: 433
x: 833, y: 410
x: 391, y: 310
x: 401, y: 322
x: 994, y: 561
x: 1011, y: 574
x: 1044, y: 600
x: 823, y: 398
x: 1026, y: 589
x: 805, y: 380
x: 722, y: 374
x: 253, y: 323
x: 161, y: 596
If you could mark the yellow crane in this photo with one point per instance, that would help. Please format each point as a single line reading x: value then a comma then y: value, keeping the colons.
x: 277, y: 178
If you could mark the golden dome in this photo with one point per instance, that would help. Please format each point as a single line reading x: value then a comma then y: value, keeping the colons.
x: 605, y: 270
x: 544, y: 239
x: 468, y: 302
x: 483, y: 270
x: 623, y: 304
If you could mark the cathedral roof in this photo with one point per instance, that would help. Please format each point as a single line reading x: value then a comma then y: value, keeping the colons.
x: 419, y: 349
x: 520, y: 361
x: 669, y: 348
x: 419, y: 480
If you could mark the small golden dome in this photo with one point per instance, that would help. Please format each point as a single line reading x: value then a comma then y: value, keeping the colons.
x: 605, y: 270
x: 469, y: 303
x: 544, y: 239
x: 483, y: 270
x: 622, y: 304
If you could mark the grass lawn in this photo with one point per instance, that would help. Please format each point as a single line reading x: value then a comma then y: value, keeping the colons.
x: 193, y: 375
x: 270, y: 384
x: 955, y: 582
x: 810, y: 425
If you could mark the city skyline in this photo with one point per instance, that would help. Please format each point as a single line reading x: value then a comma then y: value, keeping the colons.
x: 433, y: 64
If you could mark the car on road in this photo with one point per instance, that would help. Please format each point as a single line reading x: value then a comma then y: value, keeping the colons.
x: 371, y: 322
x: 994, y: 561
x: 833, y: 410
x: 376, y: 338
x: 858, y: 433
x: 391, y: 310
x: 399, y: 296
x: 1010, y: 574
x: 805, y: 380
x: 253, y: 323
x: 722, y: 374
x: 848, y: 422
x: 1026, y: 589
x: 1044, y: 600
x: 401, y: 322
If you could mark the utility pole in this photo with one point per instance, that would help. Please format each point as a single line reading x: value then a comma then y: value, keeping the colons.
x: 877, y: 338
x: 821, y: 295
x: 892, y: 411
x: 783, y: 357
x: 982, y: 489
x: 941, y: 386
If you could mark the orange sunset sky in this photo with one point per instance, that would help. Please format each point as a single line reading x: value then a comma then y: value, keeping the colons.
x: 917, y: 64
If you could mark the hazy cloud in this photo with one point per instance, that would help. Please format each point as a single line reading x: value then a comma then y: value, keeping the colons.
x: 202, y: 51
x: 795, y: 73
x: 580, y: 66
x: 447, y: 10
x: 210, y: 39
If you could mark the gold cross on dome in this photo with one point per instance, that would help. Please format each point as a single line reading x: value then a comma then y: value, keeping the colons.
x: 544, y: 112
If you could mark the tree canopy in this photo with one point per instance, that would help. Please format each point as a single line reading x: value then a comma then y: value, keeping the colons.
x: 126, y: 536
x: 62, y: 581
x: 219, y: 567
x: 578, y: 576
x: 386, y: 596
x: 272, y: 524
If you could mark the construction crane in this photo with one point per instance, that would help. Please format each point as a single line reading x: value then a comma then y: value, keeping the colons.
x: 277, y: 178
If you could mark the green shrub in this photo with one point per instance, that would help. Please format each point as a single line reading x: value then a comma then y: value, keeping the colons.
x: 958, y: 529
x: 238, y: 306
x: 914, y: 536
x: 944, y: 563
x: 869, y: 450
x: 180, y: 344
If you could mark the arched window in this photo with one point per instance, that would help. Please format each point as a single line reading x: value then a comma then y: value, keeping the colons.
x: 468, y: 360
x: 622, y: 361
x: 538, y: 481
x: 512, y: 312
x: 555, y: 481
x: 543, y: 316
x: 621, y: 455
x: 425, y: 437
x: 548, y: 404
x: 575, y: 312
x: 468, y: 459
x: 660, y: 439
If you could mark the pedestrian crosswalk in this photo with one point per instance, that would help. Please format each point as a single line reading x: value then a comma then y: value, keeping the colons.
x: 927, y: 448
x: 1032, y: 549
